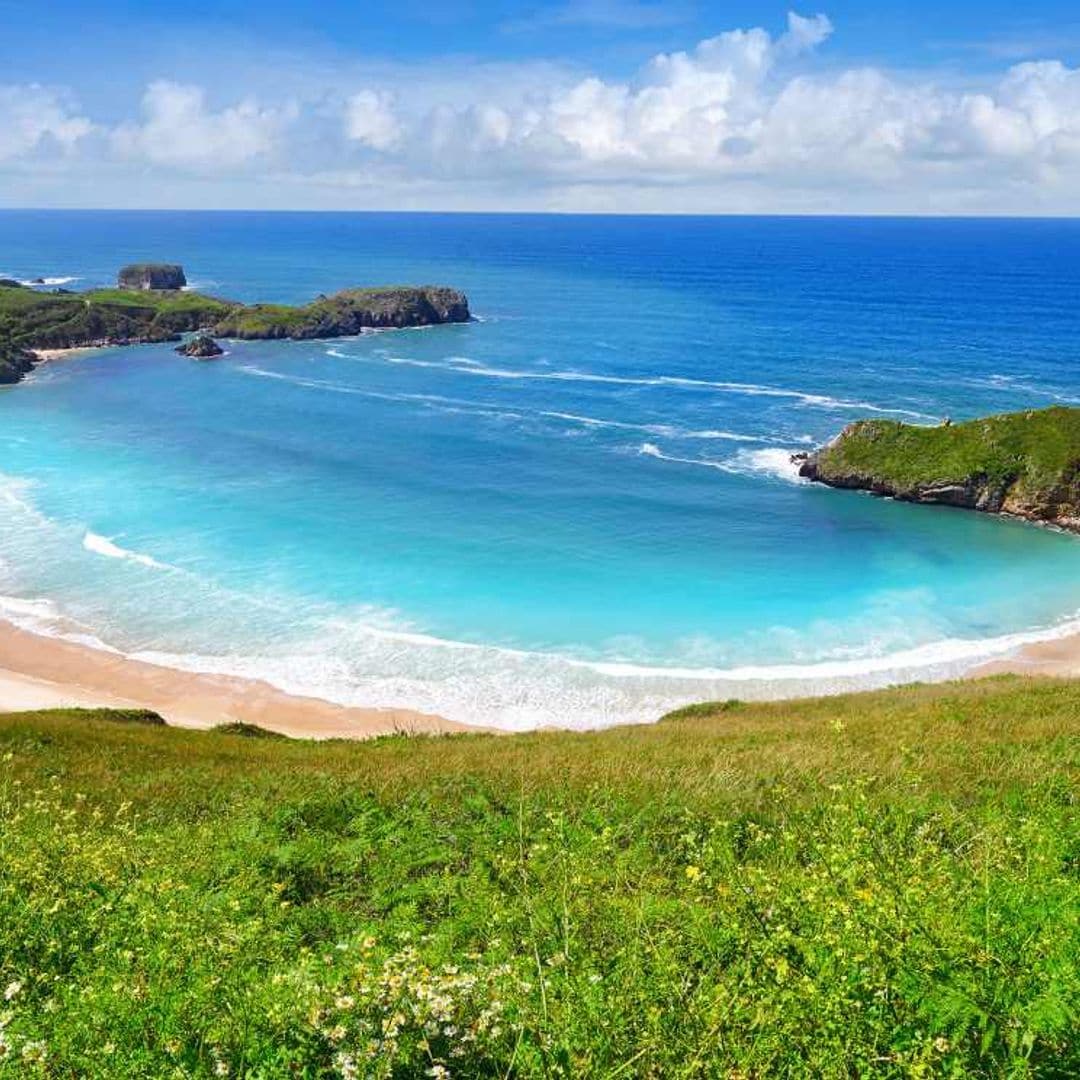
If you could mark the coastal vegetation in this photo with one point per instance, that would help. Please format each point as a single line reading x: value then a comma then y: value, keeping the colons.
x: 31, y: 319
x: 882, y: 884
x: 1023, y: 464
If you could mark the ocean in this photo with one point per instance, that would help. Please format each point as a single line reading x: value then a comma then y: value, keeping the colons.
x: 576, y: 510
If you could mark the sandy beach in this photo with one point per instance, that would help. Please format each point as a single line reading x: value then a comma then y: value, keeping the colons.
x: 38, y: 672
x: 47, y: 355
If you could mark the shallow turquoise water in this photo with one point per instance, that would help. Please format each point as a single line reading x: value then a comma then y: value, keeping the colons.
x: 576, y: 509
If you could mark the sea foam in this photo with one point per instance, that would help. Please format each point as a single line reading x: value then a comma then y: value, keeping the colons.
x: 102, y: 545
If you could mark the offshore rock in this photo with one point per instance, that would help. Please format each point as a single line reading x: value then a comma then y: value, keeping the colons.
x: 201, y: 347
x: 152, y: 276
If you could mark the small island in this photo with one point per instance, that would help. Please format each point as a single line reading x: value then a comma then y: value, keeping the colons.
x: 149, y: 306
x: 201, y: 347
x: 1023, y: 465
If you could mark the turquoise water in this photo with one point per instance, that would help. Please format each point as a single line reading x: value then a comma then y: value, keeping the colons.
x: 575, y: 510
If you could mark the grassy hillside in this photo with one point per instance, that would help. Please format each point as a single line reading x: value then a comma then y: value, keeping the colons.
x: 1027, y: 463
x: 875, y: 885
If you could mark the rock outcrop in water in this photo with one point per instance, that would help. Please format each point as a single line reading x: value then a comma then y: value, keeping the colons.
x: 147, y: 313
x: 1024, y: 465
x: 201, y: 347
x: 147, y: 276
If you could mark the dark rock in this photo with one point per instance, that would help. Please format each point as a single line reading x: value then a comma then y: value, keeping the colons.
x: 15, y: 362
x: 201, y: 347
x: 152, y: 276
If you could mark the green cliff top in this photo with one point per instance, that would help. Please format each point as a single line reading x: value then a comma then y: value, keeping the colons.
x: 1036, y: 450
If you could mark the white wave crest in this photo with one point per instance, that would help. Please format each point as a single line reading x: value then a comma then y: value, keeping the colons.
x: 102, y: 545
x: 53, y: 281
x: 461, y: 366
x: 772, y: 462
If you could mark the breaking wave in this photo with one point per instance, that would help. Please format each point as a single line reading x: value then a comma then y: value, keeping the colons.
x: 102, y: 545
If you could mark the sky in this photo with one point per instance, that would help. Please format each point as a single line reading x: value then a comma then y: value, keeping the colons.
x: 632, y: 106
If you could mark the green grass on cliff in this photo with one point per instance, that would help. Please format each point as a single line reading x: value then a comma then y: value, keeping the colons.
x: 1038, y: 450
x: 878, y: 885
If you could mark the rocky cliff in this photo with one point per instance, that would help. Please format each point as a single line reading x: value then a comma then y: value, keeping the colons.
x: 1024, y: 464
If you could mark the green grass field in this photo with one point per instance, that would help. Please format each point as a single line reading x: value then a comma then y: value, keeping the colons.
x: 875, y: 885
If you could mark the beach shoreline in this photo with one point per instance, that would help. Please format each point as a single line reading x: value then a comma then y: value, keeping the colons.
x: 38, y: 671
x: 45, y: 356
x: 42, y: 672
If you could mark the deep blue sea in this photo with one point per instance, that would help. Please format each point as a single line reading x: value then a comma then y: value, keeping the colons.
x: 577, y: 509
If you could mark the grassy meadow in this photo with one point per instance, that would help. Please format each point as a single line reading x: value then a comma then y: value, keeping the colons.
x: 876, y: 885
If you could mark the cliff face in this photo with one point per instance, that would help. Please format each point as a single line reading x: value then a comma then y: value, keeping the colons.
x: 151, y: 276
x: 1024, y: 465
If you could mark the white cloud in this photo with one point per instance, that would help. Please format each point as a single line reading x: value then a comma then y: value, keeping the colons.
x: 744, y: 121
x: 736, y: 106
x: 35, y: 117
x: 370, y: 119
x: 179, y: 130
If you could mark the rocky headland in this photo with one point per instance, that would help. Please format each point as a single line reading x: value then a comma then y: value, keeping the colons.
x: 149, y: 309
x: 1023, y: 465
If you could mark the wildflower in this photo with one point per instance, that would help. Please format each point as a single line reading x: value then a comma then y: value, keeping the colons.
x: 941, y: 1044
x: 344, y: 1001
x: 12, y: 990
x: 693, y: 873
x: 439, y: 1072
x: 346, y: 1065
x: 34, y: 1053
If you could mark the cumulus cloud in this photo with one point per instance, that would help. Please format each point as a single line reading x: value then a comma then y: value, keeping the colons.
x: 178, y: 129
x: 744, y: 120
x: 370, y: 120
x: 35, y: 117
x: 737, y: 105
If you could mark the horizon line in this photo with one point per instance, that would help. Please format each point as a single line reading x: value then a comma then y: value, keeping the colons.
x: 789, y: 215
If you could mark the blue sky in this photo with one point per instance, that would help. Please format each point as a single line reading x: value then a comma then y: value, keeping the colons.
x: 570, y: 105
